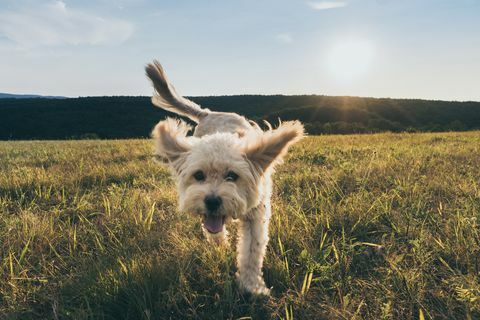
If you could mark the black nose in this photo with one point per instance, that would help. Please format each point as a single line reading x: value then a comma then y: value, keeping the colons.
x: 212, y: 202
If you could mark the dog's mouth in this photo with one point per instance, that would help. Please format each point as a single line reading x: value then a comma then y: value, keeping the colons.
x: 213, y: 223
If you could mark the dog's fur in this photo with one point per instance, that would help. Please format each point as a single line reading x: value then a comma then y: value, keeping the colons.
x: 223, y: 172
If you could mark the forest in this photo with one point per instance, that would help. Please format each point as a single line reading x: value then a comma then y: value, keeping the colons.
x: 122, y: 117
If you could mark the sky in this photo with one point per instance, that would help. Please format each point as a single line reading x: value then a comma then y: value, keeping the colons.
x: 427, y: 49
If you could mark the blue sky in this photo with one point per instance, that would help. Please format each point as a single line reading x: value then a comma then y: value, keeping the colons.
x: 380, y: 48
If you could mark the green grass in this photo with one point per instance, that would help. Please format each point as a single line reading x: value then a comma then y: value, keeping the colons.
x: 364, y: 227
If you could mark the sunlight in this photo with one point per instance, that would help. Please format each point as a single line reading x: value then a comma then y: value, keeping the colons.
x: 349, y: 59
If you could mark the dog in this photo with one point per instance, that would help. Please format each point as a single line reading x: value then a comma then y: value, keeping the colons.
x: 223, y: 172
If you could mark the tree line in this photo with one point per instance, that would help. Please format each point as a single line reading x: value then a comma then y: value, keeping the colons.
x: 133, y: 117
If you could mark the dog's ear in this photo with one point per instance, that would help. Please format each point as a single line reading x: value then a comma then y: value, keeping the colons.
x: 269, y: 147
x: 171, y: 140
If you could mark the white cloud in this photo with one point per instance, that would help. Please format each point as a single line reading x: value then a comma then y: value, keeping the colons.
x: 324, y: 5
x: 284, y: 37
x: 54, y: 23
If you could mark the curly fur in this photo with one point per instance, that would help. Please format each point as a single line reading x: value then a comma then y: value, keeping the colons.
x: 223, y: 143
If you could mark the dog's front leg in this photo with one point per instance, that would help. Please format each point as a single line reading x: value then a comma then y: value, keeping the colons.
x: 252, y: 243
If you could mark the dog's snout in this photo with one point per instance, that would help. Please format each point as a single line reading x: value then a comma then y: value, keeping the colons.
x: 212, y: 203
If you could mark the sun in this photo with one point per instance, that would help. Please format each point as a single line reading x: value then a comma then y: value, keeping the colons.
x: 350, y: 59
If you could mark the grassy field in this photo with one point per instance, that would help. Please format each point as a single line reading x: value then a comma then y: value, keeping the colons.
x: 364, y: 227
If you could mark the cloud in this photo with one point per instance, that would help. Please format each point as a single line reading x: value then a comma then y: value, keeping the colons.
x: 284, y: 37
x: 54, y: 23
x: 324, y: 5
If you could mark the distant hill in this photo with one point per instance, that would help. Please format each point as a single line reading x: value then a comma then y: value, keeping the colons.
x: 26, y: 96
x: 134, y: 117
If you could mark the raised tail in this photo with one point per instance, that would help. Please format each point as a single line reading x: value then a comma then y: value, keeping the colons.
x: 167, y: 98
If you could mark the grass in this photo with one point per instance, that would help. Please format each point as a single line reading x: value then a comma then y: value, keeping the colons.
x: 381, y: 226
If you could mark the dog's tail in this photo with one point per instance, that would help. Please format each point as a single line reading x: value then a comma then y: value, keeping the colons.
x: 167, y: 98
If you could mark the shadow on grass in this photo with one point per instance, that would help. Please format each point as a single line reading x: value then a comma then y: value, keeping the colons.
x: 134, y: 283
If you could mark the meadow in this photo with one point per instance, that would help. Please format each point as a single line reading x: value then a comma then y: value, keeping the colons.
x: 381, y: 226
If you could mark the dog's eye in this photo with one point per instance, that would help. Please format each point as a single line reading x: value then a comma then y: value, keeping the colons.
x: 199, y: 175
x: 231, y: 176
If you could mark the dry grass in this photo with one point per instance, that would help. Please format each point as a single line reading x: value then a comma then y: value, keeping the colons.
x: 365, y: 227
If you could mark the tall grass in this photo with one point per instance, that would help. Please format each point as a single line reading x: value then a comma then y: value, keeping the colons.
x: 365, y: 227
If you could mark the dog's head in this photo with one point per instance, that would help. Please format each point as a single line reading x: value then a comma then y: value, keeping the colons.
x: 219, y: 176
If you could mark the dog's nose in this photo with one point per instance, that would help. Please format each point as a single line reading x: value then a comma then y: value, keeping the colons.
x: 212, y: 203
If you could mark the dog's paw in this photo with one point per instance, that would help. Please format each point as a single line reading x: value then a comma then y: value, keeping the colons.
x: 253, y: 286
x: 261, y: 291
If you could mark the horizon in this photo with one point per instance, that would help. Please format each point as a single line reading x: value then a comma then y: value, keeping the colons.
x: 37, y: 96
x: 369, y: 49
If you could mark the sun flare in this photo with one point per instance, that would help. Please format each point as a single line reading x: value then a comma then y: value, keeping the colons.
x: 350, y: 59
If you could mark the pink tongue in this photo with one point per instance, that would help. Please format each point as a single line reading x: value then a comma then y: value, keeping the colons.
x: 214, y: 224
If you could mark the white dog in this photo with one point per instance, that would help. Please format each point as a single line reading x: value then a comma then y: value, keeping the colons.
x: 223, y: 172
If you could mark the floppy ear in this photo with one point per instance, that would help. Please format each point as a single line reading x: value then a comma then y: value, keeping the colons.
x: 170, y: 139
x: 272, y: 145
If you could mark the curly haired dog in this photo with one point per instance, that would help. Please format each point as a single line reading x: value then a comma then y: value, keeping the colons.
x: 223, y: 172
